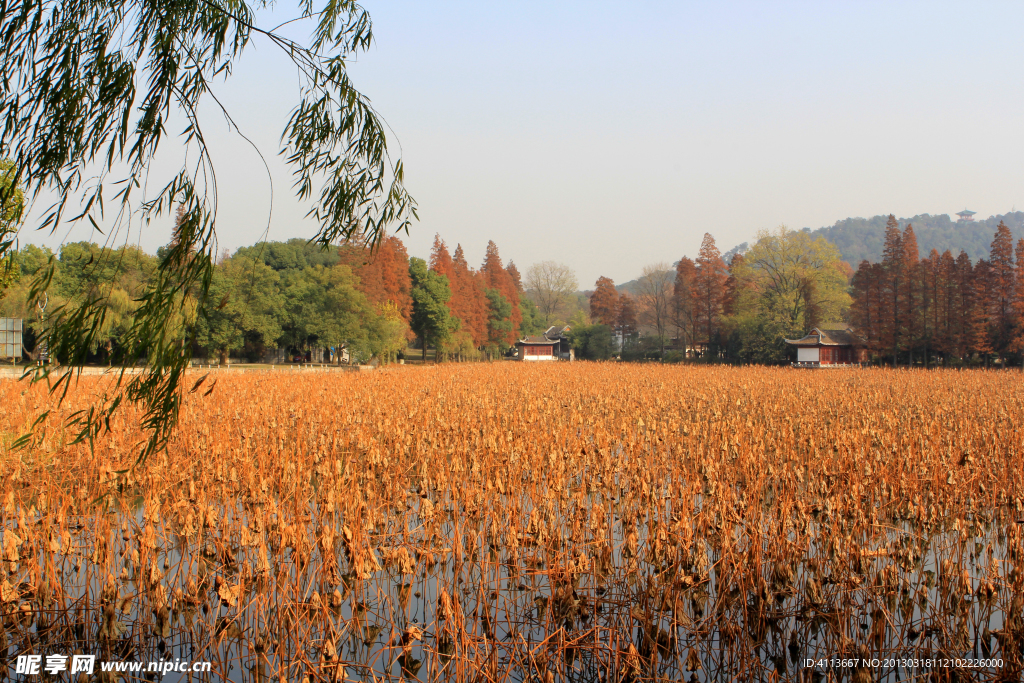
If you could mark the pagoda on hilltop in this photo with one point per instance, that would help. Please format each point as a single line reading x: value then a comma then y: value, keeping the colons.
x: 966, y: 216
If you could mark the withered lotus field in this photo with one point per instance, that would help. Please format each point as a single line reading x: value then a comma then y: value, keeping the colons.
x: 507, y: 522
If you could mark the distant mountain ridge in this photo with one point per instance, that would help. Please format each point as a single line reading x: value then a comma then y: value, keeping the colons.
x: 864, y: 238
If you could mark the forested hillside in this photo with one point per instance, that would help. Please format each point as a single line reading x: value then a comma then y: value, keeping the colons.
x: 864, y: 238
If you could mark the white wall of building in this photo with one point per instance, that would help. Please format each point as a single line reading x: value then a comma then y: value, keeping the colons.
x: 805, y: 354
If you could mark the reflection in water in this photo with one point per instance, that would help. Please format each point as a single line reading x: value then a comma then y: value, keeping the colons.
x: 448, y: 593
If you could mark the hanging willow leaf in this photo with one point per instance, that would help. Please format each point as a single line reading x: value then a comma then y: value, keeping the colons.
x: 88, y: 88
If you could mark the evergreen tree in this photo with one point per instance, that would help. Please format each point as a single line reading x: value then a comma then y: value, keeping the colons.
x: 431, y: 320
x: 497, y: 278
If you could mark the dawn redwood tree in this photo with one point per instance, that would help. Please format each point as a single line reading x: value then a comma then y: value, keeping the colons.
x: 383, y: 273
x: 440, y: 260
x: 963, y: 305
x: 685, y: 310
x: 604, y: 302
x: 626, y: 325
x: 910, y: 293
x: 90, y: 91
x: 948, y: 292
x: 891, y: 328
x: 866, y: 308
x: 1002, y: 290
x: 1017, y: 342
x: 981, y: 305
x: 461, y: 341
x: 470, y: 302
x: 497, y: 278
x: 513, y: 273
x: 710, y: 288
x: 931, y: 301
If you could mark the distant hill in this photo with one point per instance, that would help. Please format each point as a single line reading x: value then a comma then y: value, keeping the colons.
x: 864, y: 238
x: 633, y: 286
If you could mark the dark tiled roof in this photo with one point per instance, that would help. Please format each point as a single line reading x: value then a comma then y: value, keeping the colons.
x: 809, y: 340
x: 841, y: 337
x: 537, y: 340
x: 845, y: 337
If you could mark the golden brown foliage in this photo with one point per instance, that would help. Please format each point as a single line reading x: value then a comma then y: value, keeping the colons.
x: 584, y: 520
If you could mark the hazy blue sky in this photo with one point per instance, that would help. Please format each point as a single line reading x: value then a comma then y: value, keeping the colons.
x: 609, y: 136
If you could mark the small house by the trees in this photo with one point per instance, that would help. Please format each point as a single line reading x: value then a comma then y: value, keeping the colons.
x: 552, y: 345
x: 829, y: 348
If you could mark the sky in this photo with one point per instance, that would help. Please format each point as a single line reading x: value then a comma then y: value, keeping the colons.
x: 612, y: 136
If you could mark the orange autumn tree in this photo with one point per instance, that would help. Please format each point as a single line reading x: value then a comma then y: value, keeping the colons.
x: 383, y: 273
x: 517, y: 279
x: 685, y: 307
x: 890, y: 331
x: 469, y: 301
x: 1002, y: 290
x: 440, y: 260
x: 866, y: 310
x: 710, y: 289
x: 503, y: 327
x: 911, y: 310
x: 604, y: 302
x: 1017, y: 340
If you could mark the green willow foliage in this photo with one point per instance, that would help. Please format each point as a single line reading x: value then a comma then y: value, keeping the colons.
x: 88, y: 87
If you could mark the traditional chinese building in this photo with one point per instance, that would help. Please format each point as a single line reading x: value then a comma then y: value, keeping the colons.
x: 552, y: 345
x: 965, y: 216
x: 829, y: 348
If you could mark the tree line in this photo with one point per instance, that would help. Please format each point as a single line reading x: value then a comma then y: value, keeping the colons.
x: 942, y: 309
x: 350, y: 301
x: 294, y: 297
x: 707, y: 309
